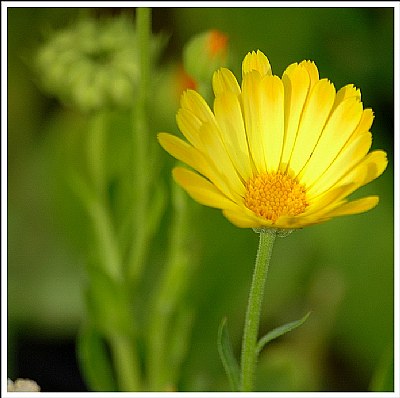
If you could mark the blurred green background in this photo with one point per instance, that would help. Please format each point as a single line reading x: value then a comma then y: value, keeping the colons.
x: 341, y: 270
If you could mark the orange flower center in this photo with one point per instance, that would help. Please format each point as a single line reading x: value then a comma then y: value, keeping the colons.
x: 272, y: 195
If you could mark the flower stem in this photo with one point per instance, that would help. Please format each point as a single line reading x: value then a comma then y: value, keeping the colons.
x: 93, y: 196
x: 250, y: 334
x: 140, y: 146
x: 126, y: 364
x: 96, y: 155
x: 167, y: 301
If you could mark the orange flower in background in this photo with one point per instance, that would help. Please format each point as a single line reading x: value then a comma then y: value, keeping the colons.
x: 275, y: 152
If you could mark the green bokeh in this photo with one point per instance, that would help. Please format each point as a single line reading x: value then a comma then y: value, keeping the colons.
x: 341, y: 270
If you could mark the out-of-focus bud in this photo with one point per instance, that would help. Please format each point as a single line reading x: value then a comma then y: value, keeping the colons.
x: 183, y: 81
x: 93, y: 64
x: 171, y: 82
x: 204, y: 54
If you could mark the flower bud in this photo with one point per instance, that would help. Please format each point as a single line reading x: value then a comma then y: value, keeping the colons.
x: 204, y: 54
x: 183, y: 81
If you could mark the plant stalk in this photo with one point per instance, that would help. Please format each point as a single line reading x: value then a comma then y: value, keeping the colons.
x: 250, y: 334
x: 140, y: 146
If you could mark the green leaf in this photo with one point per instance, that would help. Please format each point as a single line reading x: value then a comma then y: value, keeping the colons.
x: 279, y: 331
x: 383, y: 377
x: 94, y: 360
x: 108, y: 304
x: 226, y: 354
x: 179, y: 340
x: 157, y: 207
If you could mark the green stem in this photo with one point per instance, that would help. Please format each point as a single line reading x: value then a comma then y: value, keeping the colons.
x: 95, y: 197
x: 168, y: 294
x: 125, y: 363
x: 141, y: 161
x: 144, y: 33
x: 250, y: 335
x: 123, y: 348
x: 107, y: 243
x: 96, y: 136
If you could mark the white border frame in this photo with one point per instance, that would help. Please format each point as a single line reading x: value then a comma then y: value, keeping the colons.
x: 90, y: 4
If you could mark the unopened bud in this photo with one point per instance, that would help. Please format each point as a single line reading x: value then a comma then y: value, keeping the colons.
x: 204, y: 54
x: 183, y: 81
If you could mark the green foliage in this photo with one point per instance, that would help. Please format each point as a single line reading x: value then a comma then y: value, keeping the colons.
x: 94, y: 359
x: 382, y: 379
x: 227, y: 357
x: 280, y: 331
x: 108, y: 304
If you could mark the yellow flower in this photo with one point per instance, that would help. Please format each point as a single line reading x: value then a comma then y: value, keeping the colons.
x: 277, y: 153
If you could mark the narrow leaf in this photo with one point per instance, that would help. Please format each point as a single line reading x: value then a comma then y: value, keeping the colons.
x: 383, y: 377
x: 179, y: 340
x: 94, y: 360
x: 279, y: 331
x: 226, y: 354
x: 108, y: 304
x: 157, y: 207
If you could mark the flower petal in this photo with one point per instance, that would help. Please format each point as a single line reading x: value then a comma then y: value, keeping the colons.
x: 329, y: 198
x: 244, y: 218
x: 189, y: 124
x: 317, y: 109
x: 371, y: 167
x: 224, y: 80
x: 194, y: 102
x: 263, y: 108
x: 272, y: 96
x: 366, y: 121
x: 256, y: 61
x: 184, y: 152
x: 341, y: 208
x: 296, y: 82
x: 228, y: 114
x: 198, y: 124
x: 315, y: 212
x: 348, y: 91
x: 340, y: 126
x: 253, y: 111
x: 367, y: 170
x: 354, y: 151
x: 216, y: 153
x: 354, y: 207
x: 312, y: 70
x: 200, y: 189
